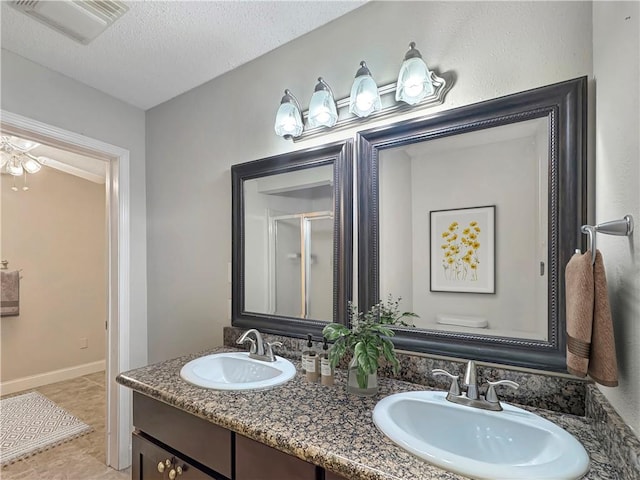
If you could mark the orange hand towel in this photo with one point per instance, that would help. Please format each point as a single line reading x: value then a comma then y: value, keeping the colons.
x: 579, y: 308
x: 590, y: 341
x: 603, y: 366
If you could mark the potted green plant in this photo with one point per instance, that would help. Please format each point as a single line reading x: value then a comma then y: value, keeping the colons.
x: 367, y: 340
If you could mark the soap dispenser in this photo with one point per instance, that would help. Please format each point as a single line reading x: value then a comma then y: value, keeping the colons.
x: 326, y: 371
x: 310, y: 361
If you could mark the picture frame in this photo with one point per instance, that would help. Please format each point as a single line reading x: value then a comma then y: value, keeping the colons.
x: 462, y: 250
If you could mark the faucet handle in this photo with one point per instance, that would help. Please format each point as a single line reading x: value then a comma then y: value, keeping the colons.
x: 455, y: 388
x: 268, y: 349
x: 491, y: 395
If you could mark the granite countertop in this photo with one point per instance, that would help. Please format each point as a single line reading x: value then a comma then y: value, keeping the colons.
x: 321, y: 424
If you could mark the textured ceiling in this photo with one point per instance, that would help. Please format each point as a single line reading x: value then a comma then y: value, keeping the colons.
x: 160, y: 49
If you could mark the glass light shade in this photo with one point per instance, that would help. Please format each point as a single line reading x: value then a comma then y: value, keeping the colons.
x: 31, y: 165
x: 322, y: 108
x: 288, y: 118
x: 414, y: 80
x: 4, y: 158
x: 364, y: 99
x: 14, y: 167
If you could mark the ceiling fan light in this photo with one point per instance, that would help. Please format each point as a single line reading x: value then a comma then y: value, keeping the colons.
x: 14, y: 167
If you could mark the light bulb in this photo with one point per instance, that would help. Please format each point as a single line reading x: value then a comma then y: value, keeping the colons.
x: 414, y: 87
x: 365, y: 98
x: 14, y: 167
x: 322, y: 108
x: 364, y: 101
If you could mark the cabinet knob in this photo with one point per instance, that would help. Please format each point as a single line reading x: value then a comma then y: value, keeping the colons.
x: 161, y: 467
x: 175, y: 472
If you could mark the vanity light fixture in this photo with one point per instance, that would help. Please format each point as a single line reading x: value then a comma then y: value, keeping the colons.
x: 364, y: 99
x: 417, y: 88
x: 414, y: 79
x: 322, y: 108
x: 289, y: 117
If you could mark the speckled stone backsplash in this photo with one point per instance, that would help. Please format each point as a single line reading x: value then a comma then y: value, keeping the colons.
x: 551, y: 392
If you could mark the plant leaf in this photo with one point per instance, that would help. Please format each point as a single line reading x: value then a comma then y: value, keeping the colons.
x: 390, y: 354
x: 333, y: 331
x: 338, y: 349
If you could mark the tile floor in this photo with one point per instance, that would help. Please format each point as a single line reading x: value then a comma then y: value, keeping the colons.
x: 79, y: 459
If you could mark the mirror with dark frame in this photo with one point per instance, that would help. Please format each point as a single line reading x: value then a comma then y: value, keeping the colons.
x: 470, y: 215
x: 292, y: 240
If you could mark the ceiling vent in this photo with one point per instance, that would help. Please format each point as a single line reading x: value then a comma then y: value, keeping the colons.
x: 81, y: 20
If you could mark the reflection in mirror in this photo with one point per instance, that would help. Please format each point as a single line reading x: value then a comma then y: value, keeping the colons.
x: 292, y: 240
x: 290, y: 217
x: 436, y: 249
x: 470, y: 215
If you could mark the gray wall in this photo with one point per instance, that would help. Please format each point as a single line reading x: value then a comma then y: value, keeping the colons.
x: 38, y: 93
x: 616, y: 69
x: 192, y: 140
x: 494, y: 48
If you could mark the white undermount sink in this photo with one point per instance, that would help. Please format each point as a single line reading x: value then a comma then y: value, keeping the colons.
x: 511, y: 444
x: 236, y: 371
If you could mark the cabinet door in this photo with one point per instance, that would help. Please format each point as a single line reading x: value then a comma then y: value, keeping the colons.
x: 202, y: 441
x: 332, y: 476
x: 147, y: 456
x: 255, y: 460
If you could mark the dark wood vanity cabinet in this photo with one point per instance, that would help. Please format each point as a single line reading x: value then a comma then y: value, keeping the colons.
x: 152, y: 462
x: 255, y: 460
x: 203, y: 450
x: 333, y: 476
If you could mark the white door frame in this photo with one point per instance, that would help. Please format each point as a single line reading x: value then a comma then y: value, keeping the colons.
x: 118, y: 240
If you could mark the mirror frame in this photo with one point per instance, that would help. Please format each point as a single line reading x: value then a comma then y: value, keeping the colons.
x: 340, y: 155
x: 564, y: 104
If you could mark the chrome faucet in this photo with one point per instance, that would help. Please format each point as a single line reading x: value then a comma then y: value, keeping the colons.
x: 471, y: 397
x: 259, y: 349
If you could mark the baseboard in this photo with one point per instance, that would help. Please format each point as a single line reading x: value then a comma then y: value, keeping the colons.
x: 34, y: 381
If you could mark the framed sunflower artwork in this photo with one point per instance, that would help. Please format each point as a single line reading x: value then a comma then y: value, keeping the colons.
x: 462, y: 247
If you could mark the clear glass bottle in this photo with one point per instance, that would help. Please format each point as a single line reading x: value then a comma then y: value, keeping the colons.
x: 326, y: 371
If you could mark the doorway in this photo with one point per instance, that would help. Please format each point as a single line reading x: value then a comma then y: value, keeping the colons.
x: 118, y: 428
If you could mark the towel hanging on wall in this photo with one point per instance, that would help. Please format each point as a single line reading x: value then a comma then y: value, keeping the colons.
x: 10, y: 295
x: 590, y: 342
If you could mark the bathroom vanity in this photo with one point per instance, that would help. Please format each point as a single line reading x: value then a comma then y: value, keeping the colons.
x: 297, y: 430
x: 168, y: 439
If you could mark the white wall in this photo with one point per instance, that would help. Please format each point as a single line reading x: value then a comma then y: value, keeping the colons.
x: 38, y: 93
x: 616, y: 68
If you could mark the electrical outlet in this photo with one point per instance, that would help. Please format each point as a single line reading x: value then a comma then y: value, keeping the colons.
x: 84, y: 343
